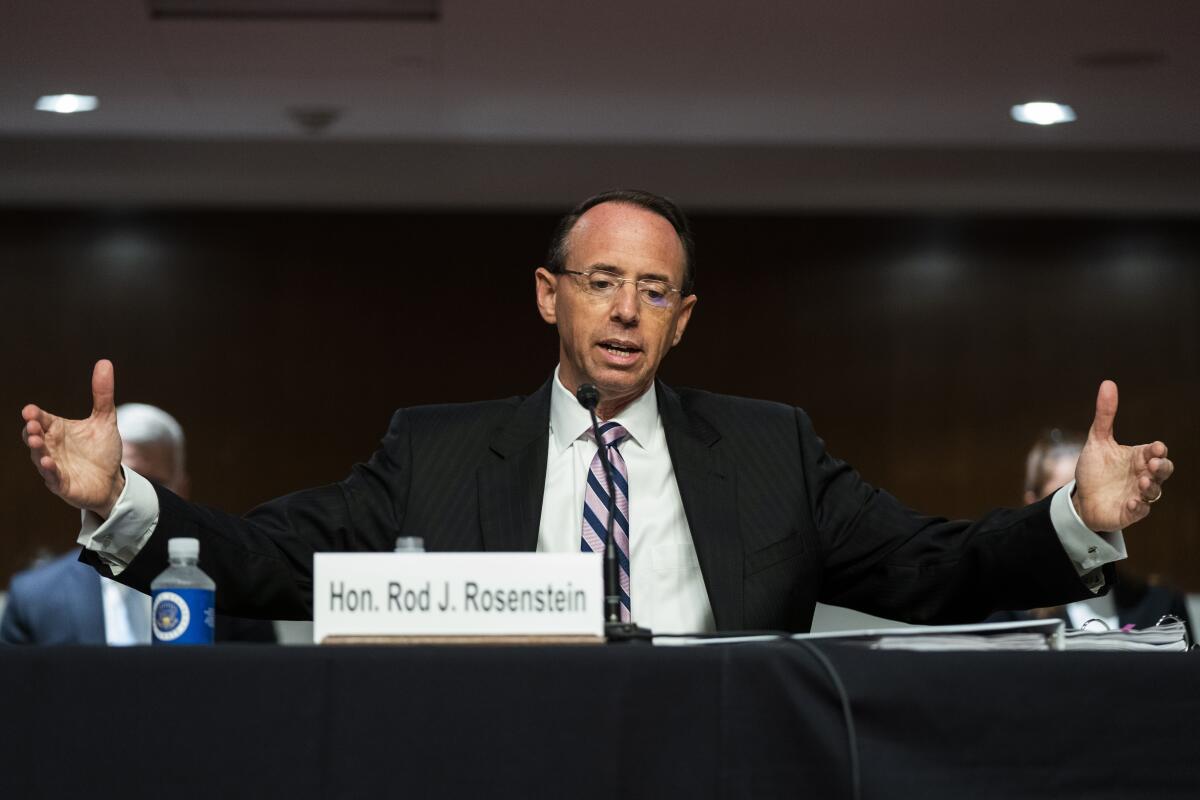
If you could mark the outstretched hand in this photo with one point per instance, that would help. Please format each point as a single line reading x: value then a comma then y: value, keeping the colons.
x: 1115, y: 484
x: 80, y: 459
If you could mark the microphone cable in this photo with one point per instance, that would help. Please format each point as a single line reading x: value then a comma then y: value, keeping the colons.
x: 847, y: 714
x: 835, y: 678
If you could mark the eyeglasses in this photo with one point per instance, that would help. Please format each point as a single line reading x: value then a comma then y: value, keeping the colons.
x: 602, y: 283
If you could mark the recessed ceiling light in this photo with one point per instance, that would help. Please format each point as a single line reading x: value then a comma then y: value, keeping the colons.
x: 67, y: 103
x: 1043, y: 113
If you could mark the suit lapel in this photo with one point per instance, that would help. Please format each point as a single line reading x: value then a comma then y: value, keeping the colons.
x: 513, y: 477
x: 708, y: 487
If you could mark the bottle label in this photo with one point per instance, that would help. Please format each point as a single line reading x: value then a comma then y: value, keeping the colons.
x: 183, y: 616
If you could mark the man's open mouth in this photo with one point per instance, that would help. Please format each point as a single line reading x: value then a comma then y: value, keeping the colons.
x: 620, y: 348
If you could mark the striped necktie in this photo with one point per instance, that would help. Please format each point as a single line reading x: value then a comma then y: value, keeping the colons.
x: 595, y: 508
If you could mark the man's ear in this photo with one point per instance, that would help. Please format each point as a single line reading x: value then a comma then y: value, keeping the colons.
x: 546, y: 284
x: 685, y: 314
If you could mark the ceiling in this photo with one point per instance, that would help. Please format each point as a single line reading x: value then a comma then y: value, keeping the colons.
x: 553, y: 82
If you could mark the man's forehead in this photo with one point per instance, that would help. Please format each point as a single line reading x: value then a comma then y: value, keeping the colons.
x: 626, y: 237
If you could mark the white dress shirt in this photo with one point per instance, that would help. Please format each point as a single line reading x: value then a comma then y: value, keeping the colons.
x: 126, y: 614
x: 667, y: 590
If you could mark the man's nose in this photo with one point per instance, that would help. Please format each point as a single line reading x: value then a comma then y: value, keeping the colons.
x: 626, y: 306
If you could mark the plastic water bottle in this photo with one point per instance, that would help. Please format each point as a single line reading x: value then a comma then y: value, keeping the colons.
x: 410, y: 544
x: 182, y: 598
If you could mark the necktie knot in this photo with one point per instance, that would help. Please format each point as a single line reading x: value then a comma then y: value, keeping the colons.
x: 611, y: 432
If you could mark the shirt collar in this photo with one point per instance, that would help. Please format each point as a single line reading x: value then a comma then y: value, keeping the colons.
x: 570, y: 421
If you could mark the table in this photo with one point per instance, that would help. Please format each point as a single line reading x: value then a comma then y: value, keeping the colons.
x: 616, y: 721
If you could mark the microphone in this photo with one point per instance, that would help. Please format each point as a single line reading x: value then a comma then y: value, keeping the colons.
x: 615, y: 630
x: 589, y: 397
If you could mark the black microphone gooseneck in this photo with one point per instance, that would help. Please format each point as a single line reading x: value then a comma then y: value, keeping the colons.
x: 614, y: 630
x: 589, y: 397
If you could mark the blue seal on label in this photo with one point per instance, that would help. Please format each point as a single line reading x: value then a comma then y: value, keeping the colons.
x: 182, y: 616
x: 168, y: 615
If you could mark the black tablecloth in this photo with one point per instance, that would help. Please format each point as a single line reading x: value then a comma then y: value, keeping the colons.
x: 726, y: 721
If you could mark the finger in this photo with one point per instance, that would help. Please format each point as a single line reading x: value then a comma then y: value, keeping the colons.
x: 1138, y: 510
x: 1160, y: 468
x: 47, y: 463
x: 1106, y: 411
x: 35, y: 440
x: 103, y: 389
x: 33, y: 435
x: 49, y: 473
x: 1149, y: 489
x: 36, y: 454
x: 32, y: 413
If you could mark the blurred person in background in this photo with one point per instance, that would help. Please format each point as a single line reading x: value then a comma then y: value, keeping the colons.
x: 1134, y: 600
x: 63, y: 601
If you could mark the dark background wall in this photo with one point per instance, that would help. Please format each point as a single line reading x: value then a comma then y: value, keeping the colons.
x: 930, y: 350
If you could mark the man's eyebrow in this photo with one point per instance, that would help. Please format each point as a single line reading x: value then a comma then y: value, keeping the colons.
x: 600, y: 265
x: 655, y: 276
x: 651, y: 276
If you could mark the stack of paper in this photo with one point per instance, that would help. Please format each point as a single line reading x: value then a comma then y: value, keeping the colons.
x: 1035, y: 635
x: 1168, y: 637
x: 1027, y: 636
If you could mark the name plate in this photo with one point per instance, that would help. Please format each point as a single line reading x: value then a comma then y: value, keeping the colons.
x: 456, y: 595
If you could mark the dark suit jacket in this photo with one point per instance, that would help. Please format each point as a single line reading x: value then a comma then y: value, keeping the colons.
x: 778, y: 523
x: 61, y: 602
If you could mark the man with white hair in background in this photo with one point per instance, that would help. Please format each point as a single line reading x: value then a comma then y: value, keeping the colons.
x: 67, y: 602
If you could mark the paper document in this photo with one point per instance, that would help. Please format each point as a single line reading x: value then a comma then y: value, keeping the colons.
x: 1170, y: 637
x: 1020, y: 636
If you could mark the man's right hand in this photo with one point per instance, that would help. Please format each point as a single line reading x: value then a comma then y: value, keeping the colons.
x: 80, y: 459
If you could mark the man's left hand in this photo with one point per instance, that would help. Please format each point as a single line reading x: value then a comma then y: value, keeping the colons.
x: 1116, y: 484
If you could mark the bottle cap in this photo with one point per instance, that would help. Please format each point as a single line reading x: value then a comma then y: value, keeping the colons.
x: 182, y: 547
x: 410, y: 544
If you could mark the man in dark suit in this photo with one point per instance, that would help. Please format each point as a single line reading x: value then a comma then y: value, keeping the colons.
x: 734, y: 517
x: 67, y: 602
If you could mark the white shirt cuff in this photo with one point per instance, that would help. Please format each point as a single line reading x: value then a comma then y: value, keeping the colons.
x: 1087, y: 549
x: 118, y: 539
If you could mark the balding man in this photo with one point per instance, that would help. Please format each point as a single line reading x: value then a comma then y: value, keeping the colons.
x: 67, y: 602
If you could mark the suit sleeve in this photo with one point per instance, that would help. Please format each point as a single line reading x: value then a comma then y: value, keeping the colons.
x: 262, y: 562
x: 885, y: 559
